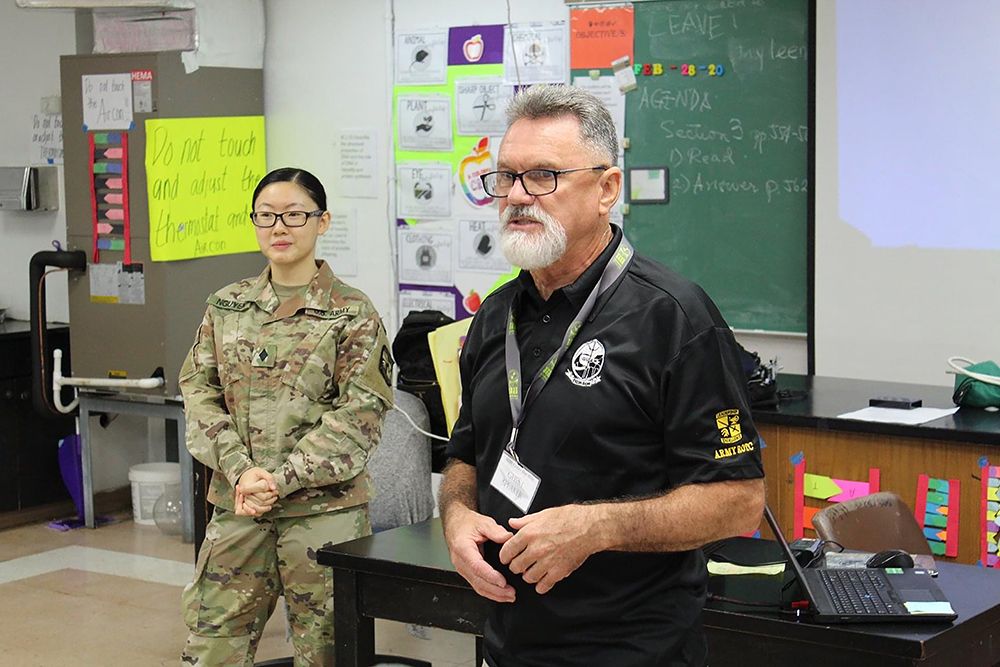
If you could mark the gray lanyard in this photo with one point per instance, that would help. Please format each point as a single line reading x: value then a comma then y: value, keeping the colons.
x: 615, y: 267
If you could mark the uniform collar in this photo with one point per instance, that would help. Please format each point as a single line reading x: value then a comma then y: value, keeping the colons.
x: 317, y: 297
x: 578, y: 291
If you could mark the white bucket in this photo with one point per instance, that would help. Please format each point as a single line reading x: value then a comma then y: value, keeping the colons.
x: 149, y: 481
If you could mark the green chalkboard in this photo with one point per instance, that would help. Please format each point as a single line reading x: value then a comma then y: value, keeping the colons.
x: 735, y: 139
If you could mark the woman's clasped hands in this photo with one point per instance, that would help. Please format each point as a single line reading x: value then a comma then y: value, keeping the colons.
x: 256, y: 492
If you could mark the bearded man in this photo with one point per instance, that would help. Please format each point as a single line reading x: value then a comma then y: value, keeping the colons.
x: 604, y: 433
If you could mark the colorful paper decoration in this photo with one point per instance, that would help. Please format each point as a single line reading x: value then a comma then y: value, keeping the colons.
x: 990, y: 532
x: 109, y: 207
x: 825, y: 488
x: 937, y: 510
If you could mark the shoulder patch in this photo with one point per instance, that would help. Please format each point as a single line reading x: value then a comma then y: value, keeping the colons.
x: 385, y: 365
x: 228, y: 304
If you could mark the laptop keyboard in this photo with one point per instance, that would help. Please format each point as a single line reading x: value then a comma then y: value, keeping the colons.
x: 858, y: 592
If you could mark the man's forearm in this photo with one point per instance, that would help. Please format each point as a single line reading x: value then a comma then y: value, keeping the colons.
x: 685, y: 518
x: 458, y: 488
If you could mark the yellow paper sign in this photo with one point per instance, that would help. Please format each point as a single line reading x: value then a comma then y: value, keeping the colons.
x: 446, y: 346
x: 200, y: 175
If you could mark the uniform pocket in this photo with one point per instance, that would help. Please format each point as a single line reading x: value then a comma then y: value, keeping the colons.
x: 194, y: 593
x: 313, y: 378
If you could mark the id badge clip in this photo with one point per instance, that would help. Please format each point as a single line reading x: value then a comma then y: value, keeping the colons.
x: 513, y: 479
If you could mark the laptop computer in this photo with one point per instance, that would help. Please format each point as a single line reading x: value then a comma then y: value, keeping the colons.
x: 867, y: 595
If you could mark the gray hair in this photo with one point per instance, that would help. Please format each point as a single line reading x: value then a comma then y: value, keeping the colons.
x: 597, y: 130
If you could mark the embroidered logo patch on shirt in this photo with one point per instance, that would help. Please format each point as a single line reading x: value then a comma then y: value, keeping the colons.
x: 728, y: 423
x: 588, y: 362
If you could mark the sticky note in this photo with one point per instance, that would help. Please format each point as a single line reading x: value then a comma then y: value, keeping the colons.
x: 929, y: 607
x: 819, y: 486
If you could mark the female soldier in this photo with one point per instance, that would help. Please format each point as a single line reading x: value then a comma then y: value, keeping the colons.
x: 284, y: 390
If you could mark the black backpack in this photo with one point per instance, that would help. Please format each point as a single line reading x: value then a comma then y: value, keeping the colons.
x: 416, y: 372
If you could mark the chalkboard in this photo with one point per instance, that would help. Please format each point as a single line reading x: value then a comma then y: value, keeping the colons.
x: 735, y: 139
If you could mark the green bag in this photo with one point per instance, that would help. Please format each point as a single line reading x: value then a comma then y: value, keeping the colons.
x: 976, y: 385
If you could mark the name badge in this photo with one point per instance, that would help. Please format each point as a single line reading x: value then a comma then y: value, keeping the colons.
x: 515, y: 481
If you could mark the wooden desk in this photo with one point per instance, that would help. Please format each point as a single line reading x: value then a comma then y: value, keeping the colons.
x: 405, y: 575
x: 948, y: 448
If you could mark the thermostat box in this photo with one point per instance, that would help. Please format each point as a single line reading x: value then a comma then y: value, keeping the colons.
x: 29, y: 189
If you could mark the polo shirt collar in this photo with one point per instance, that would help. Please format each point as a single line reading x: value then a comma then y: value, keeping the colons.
x: 577, y: 292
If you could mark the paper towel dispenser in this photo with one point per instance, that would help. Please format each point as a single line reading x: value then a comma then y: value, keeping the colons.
x: 28, y: 189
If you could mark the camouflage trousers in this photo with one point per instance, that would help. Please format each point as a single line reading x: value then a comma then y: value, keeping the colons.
x: 245, y: 563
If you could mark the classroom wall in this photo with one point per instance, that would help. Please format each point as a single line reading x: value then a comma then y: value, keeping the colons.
x: 898, y: 313
x: 31, y: 44
x: 326, y: 69
x: 348, y: 80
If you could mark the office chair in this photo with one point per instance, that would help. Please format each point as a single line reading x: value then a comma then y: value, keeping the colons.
x: 875, y: 522
x: 400, y: 469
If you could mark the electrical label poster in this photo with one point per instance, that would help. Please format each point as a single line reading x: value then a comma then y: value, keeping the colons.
x: 117, y: 283
x: 536, y: 53
x: 142, y: 90
x: 990, y: 533
x: 423, y: 190
x: 109, y: 209
x: 424, y: 122
x: 107, y: 101
x: 339, y: 246
x: 131, y: 284
x: 421, y: 58
x: 411, y: 300
x: 425, y: 258
x: 200, y: 175
x: 103, y: 282
x: 479, y: 247
x: 480, y: 106
x: 356, y: 170
x: 937, y: 511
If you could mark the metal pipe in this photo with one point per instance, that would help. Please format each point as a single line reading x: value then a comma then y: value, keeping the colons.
x: 58, y: 382
x: 65, y: 259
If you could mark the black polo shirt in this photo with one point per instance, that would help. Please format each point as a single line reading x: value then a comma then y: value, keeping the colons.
x: 650, y: 396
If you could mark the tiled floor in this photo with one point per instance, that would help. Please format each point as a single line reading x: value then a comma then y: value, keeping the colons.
x: 111, y: 597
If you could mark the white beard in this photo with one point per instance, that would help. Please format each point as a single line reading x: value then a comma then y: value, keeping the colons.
x: 532, y: 250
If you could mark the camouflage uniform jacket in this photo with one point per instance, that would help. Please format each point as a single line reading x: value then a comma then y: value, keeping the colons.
x: 298, y: 389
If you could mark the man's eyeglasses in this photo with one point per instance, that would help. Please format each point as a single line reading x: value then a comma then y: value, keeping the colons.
x: 536, y: 182
x: 289, y: 218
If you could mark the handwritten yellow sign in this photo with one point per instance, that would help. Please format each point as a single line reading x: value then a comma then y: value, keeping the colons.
x: 200, y: 176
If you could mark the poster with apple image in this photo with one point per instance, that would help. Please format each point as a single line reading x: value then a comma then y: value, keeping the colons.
x: 424, y: 122
x: 422, y: 57
x: 479, y: 247
x: 411, y: 300
x: 480, y: 105
x: 425, y: 256
x: 536, y: 52
x: 423, y: 190
x: 479, y: 161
